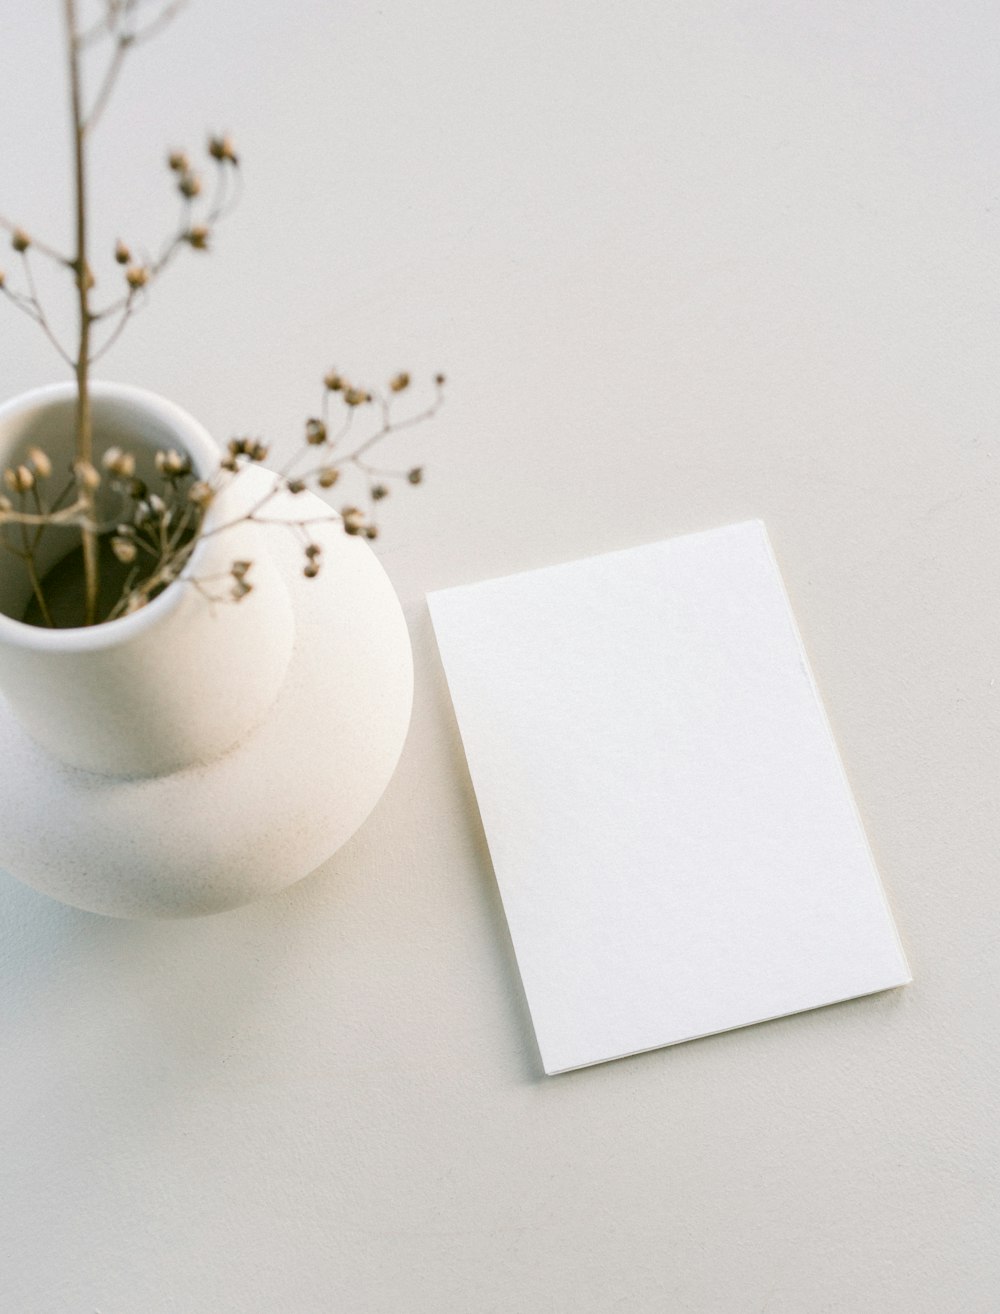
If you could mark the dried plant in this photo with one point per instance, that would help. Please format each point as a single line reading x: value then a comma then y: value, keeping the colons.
x: 126, y: 558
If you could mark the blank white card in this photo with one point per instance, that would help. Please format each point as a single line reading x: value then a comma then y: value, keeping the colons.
x: 673, y: 835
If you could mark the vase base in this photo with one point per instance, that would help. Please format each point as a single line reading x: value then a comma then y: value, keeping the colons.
x: 271, y: 810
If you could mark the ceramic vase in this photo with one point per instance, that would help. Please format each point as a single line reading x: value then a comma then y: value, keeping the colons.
x: 198, y: 753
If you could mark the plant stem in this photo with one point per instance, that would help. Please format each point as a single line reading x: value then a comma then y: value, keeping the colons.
x: 84, y: 421
x: 36, y: 583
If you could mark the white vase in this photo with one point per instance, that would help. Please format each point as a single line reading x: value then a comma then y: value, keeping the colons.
x: 193, y: 756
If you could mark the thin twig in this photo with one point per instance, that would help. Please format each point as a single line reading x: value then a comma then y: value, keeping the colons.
x: 156, y: 25
x: 72, y: 517
x: 122, y: 44
x: 384, y: 432
x: 25, y: 304
x: 43, y: 247
x: 36, y: 583
x: 125, y: 40
x: 36, y: 305
x: 131, y: 305
x: 99, y: 27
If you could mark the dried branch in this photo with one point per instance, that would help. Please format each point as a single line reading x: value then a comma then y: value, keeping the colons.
x: 154, y: 532
x: 121, y: 24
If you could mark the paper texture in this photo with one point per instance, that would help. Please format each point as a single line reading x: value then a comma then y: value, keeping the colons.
x: 675, y: 841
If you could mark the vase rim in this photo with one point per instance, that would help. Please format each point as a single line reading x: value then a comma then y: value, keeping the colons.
x: 204, y: 453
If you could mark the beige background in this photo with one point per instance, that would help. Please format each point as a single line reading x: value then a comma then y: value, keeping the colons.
x: 684, y: 264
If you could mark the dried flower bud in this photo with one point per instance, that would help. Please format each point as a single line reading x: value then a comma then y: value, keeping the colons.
x: 240, y: 590
x: 197, y: 237
x: 5, y: 503
x: 120, y: 464
x: 122, y: 254
x: 124, y: 549
x: 201, y: 493
x: 20, y: 240
x: 353, y: 519
x: 19, y: 479
x: 378, y: 492
x: 310, y: 570
x: 222, y: 149
x: 240, y: 569
x: 87, y: 476
x: 333, y: 382
x: 172, y: 464
x: 136, y: 489
x: 400, y: 382
x: 315, y: 433
x: 189, y: 185
x: 313, y: 550
x: 356, y: 396
x: 136, y: 276
x: 157, y: 505
x: 328, y: 476
x: 416, y: 475
x: 39, y: 462
x: 249, y: 447
x: 371, y: 531
x: 440, y: 380
x: 179, y: 162
x: 296, y: 485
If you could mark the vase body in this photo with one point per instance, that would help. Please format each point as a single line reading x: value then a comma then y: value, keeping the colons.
x: 196, y: 754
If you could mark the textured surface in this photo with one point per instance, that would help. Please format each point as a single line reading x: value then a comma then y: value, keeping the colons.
x: 685, y: 265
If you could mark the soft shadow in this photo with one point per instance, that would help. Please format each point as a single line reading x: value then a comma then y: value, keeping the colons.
x: 183, y: 986
x: 435, y: 716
